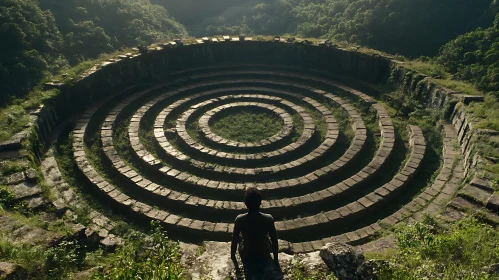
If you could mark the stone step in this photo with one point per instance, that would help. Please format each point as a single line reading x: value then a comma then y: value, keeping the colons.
x: 297, y: 228
x: 170, y: 170
x: 206, y: 119
x: 141, y: 182
x: 192, y: 228
x: 468, y: 207
x: 388, y: 145
x: 133, y: 132
x: 360, y: 235
x: 433, y: 199
x: 332, y: 134
x: 212, y: 230
x: 228, y: 157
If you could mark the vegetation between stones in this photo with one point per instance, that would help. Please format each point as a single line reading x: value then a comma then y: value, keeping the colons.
x: 247, y: 126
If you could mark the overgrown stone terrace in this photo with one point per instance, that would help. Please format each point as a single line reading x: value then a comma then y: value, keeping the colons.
x: 339, y: 169
x: 196, y: 196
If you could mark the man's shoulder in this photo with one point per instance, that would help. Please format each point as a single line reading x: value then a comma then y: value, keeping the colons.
x: 241, y: 216
x: 267, y: 216
x: 264, y: 215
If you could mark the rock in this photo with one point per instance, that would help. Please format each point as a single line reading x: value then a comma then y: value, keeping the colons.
x: 52, y: 85
x: 15, y: 178
x: 379, y: 245
x: 78, y: 231
x: 108, y: 244
x: 285, y: 247
x: 343, y: 259
x: 37, y: 203
x: 59, y: 207
x: 311, y: 264
x: 14, y: 143
x: 31, y: 175
x: 82, y: 235
x: 11, y: 271
x: 25, y: 190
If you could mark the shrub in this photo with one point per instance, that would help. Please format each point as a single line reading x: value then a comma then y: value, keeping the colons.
x: 6, y: 197
x: 429, y: 250
x: 154, y: 258
x: 62, y: 259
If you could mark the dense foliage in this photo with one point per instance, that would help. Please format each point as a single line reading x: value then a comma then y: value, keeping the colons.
x: 153, y: 258
x: 411, y: 28
x: 430, y: 250
x: 474, y: 57
x: 41, y: 37
x: 91, y: 27
x: 45, y: 36
x: 31, y: 45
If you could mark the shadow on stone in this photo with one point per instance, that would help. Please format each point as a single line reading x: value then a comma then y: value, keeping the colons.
x: 259, y: 270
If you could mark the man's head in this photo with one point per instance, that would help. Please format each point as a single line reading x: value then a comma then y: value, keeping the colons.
x: 253, y: 199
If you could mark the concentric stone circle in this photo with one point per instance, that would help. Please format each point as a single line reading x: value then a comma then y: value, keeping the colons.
x: 334, y: 175
x: 207, y: 119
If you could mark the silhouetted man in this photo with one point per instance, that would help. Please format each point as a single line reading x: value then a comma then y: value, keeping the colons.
x: 255, y: 228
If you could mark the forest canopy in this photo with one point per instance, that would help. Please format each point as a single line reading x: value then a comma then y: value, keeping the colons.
x: 43, y: 37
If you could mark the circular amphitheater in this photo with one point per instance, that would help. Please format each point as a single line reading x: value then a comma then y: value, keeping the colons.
x: 336, y: 167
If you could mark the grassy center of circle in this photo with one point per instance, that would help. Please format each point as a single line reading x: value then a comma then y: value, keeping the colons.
x: 247, y: 125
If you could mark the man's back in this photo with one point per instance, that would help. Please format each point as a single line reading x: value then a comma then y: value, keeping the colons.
x: 255, y: 228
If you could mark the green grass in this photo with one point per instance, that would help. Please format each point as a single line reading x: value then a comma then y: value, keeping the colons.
x: 433, y: 250
x: 152, y: 258
x: 486, y: 112
x: 12, y: 166
x: 297, y: 127
x: 15, y: 116
x: 11, y: 120
x: 299, y: 272
x: 486, y: 116
x: 28, y: 256
x: 247, y: 126
x: 439, y: 76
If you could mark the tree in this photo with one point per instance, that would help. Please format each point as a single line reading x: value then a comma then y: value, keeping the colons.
x: 31, y: 45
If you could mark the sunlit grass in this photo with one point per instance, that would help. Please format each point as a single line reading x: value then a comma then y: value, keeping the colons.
x: 432, y: 250
x: 439, y: 76
x: 247, y: 126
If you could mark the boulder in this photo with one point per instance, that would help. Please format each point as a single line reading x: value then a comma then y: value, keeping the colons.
x: 15, y: 178
x: 31, y: 175
x: 343, y: 259
x: 11, y: 271
x: 108, y: 244
x: 37, y: 203
x: 285, y: 247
